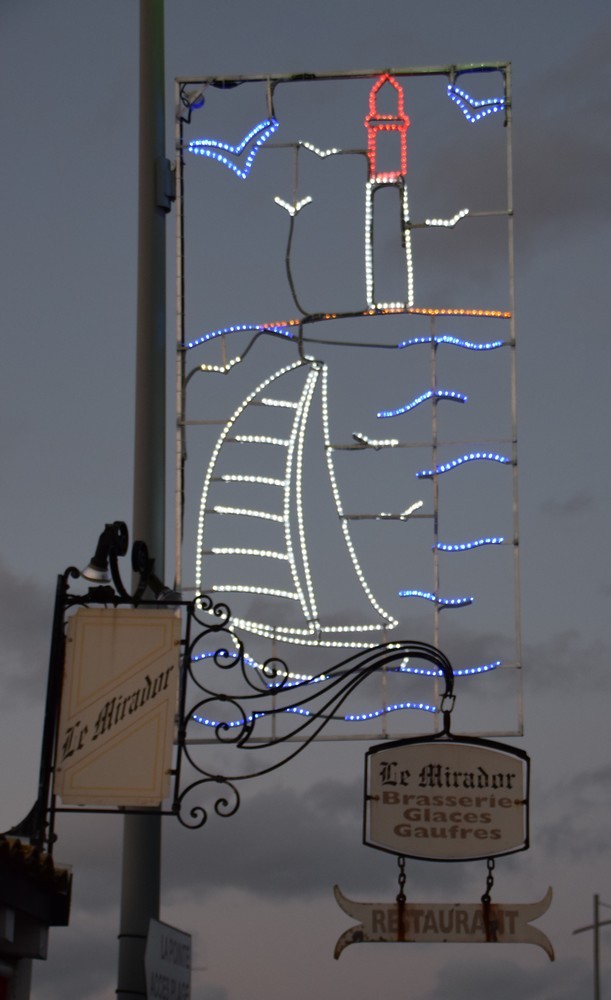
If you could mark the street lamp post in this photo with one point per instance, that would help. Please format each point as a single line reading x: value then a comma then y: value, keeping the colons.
x: 140, y: 888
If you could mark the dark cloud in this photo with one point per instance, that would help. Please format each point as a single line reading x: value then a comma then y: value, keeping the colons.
x: 84, y: 953
x: 289, y: 843
x: 576, y: 810
x: 505, y: 980
x: 25, y: 625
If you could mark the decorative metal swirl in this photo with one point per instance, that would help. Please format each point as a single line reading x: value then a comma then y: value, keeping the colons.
x: 312, y: 703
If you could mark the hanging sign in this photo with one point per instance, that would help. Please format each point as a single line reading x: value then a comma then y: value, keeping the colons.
x: 468, y: 923
x: 118, y: 706
x: 447, y: 799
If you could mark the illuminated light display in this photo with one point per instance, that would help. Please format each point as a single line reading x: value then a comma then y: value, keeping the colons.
x: 216, y: 150
x: 236, y: 477
x: 221, y: 369
x: 457, y: 397
x: 376, y: 124
x: 485, y: 668
x: 474, y: 110
x: 293, y: 210
x: 297, y: 421
x: 243, y: 588
x: 247, y: 512
x: 433, y: 311
x: 466, y: 546
x: 322, y: 153
x: 448, y: 223
x: 291, y: 679
x: 473, y: 456
x: 279, y: 328
x: 447, y: 338
x: 379, y: 125
x: 260, y: 439
x: 288, y: 404
x: 411, y: 510
x: 371, y: 187
x: 297, y: 710
x: 376, y: 443
x: 283, y: 329
x: 442, y: 602
x: 229, y: 550
x: 292, y: 516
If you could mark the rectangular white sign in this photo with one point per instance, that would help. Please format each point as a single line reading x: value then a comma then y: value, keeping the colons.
x: 118, y: 706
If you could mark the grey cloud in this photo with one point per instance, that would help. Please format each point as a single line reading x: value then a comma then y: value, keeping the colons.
x: 577, y: 503
x: 560, y: 663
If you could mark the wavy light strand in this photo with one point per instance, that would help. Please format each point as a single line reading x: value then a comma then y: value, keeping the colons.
x: 473, y: 456
x: 457, y: 397
x: 442, y: 602
x: 466, y: 546
x: 446, y: 338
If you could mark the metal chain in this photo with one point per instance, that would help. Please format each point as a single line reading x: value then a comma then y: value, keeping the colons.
x: 402, y: 878
x: 489, y: 880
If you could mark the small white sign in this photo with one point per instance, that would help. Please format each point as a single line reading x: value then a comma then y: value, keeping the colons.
x: 118, y: 706
x: 167, y: 963
x: 447, y: 800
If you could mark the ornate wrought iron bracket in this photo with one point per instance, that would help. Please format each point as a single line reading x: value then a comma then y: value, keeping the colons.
x: 254, y: 706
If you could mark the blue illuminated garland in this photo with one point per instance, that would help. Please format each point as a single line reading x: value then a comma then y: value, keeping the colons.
x: 278, y: 328
x: 458, y: 397
x: 474, y: 456
x: 446, y: 338
x: 216, y: 150
x: 442, y: 602
x: 465, y: 546
x: 474, y: 110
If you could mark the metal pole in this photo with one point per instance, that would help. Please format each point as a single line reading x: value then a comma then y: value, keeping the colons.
x: 598, y: 923
x: 140, y: 887
x: 596, y: 949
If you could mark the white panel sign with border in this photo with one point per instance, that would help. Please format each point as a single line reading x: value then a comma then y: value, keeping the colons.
x: 454, y: 799
x: 118, y: 707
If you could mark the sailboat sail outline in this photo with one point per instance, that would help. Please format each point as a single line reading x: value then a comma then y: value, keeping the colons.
x: 289, y: 514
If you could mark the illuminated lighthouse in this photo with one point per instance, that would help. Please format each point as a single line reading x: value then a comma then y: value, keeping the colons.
x: 387, y: 153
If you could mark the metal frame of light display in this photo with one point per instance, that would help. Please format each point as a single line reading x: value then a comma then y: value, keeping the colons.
x: 294, y: 391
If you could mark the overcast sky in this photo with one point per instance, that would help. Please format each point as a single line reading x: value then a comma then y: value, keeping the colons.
x: 255, y: 891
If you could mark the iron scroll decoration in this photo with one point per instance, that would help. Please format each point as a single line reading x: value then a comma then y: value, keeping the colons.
x: 270, y: 693
x: 267, y: 693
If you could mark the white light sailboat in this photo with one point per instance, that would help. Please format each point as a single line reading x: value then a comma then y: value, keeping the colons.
x: 279, y: 462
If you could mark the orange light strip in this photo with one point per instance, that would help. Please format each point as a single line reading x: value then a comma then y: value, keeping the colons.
x: 426, y: 311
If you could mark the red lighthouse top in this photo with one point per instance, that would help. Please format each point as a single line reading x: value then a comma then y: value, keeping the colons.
x: 377, y: 123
